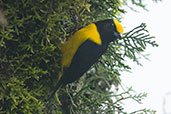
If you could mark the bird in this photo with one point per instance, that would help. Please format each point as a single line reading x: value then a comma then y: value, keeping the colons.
x: 84, y: 48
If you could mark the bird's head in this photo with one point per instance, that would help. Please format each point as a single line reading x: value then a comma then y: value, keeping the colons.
x: 109, y: 29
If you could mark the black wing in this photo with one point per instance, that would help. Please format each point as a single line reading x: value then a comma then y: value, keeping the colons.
x: 87, y: 54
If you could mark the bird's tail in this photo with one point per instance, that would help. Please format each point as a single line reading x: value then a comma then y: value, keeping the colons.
x: 59, y: 83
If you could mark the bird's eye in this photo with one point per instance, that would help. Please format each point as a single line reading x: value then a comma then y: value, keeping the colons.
x: 109, y: 26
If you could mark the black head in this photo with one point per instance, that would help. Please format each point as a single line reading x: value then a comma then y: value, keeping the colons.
x: 109, y: 30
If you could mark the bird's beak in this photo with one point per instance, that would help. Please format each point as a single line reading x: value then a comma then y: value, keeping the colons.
x: 118, y: 35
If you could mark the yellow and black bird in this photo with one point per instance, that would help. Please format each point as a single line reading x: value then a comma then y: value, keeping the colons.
x: 84, y: 48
